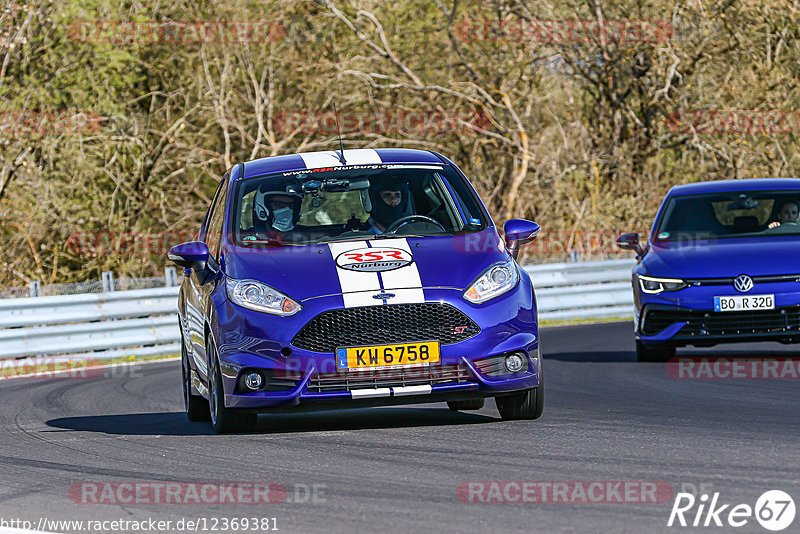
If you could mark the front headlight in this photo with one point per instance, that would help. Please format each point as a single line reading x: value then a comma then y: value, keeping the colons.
x: 652, y: 285
x: 496, y: 280
x: 260, y: 297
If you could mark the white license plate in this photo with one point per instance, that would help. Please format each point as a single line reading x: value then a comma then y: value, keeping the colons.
x: 744, y: 302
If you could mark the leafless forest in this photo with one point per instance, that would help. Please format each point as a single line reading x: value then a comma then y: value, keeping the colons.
x: 118, y: 118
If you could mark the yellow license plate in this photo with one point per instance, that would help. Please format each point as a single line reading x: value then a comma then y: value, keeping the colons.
x: 405, y: 354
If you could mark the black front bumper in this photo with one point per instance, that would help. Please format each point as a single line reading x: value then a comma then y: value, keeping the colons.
x: 706, y: 328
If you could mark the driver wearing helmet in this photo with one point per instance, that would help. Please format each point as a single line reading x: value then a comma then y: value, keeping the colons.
x: 275, y: 214
x: 390, y: 203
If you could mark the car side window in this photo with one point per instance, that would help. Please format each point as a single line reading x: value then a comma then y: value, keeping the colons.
x: 467, y: 204
x: 204, y: 227
x: 216, y: 220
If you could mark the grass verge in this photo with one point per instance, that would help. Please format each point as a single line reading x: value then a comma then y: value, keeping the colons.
x: 576, y: 321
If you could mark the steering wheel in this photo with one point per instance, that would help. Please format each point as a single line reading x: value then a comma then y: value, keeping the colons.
x: 392, y: 228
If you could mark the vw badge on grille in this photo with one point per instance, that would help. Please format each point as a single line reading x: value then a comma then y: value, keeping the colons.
x: 743, y: 283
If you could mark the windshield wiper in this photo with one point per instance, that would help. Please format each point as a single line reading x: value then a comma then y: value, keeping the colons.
x: 267, y: 242
x: 345, y: 238
x: 403, y: 236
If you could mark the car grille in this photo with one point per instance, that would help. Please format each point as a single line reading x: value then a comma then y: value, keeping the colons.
x: 700, y: 323
x: 375, y: 378
x: 763, y: 279
x: 378, y: 325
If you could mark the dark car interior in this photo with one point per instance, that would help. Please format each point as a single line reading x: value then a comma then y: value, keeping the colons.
x: 335, y: 210
x: 739, y: 214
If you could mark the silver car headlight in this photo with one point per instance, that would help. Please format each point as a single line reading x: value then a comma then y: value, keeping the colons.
x: 493, y: 282
x: 256, y: 296
x: 653, y: 286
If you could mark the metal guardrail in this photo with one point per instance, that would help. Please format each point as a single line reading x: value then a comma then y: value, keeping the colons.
x: 143, y: 322
x: 73, y: 324
x: 591, y: 290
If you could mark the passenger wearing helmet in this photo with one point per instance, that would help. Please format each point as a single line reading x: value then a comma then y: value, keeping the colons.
x: 275, y: 214
x: 391, y: 201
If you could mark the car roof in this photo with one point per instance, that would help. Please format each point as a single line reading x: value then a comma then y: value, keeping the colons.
x: 330, y: 158
x: 723, y: 186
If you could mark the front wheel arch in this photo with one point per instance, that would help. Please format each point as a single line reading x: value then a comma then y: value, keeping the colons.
x: 223, y: 419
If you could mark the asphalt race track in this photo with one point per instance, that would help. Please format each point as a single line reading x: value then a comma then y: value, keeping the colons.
x: 607, y: 418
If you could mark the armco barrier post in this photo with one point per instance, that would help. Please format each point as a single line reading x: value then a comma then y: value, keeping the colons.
x: 35, y: 288
x: 108, y: 282
x: 170, y: 277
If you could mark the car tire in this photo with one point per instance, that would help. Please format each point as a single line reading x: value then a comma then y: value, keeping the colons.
x: 650, y: 354
x: 223, y: 419
x: 465, y: 405
x: 528, y: 404
x: 196, y: 406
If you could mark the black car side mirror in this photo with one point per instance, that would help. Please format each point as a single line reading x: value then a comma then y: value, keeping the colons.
x: 630, y: 241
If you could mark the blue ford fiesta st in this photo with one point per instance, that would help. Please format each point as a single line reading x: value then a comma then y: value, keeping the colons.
x: 352, y: 279
x: 722, y: 265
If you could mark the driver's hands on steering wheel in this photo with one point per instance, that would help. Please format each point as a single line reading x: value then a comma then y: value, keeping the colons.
x: 392, y: 228
x: 775, y: 224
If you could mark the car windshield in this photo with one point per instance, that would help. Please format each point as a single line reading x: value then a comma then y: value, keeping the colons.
x: 353, y: 202
x: 734, y: 214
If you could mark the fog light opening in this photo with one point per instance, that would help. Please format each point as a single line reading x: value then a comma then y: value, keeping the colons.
x: 534, y: 356
x: 253, y: 380
x: 515, y: 362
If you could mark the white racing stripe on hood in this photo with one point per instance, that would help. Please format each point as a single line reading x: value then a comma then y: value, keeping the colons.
x: 357, y: 287
x: 361, y: 298
x: 365, y: 298
x: 359, y: 156
x: 404, y: 282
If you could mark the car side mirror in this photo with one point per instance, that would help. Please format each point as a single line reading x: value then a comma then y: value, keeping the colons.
x: 519, y: 232
x: 630, y: 241
x: 191, y: 255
